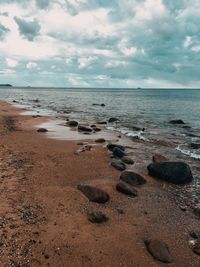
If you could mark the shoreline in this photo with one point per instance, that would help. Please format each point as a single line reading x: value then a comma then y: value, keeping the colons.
x: 44, y: 216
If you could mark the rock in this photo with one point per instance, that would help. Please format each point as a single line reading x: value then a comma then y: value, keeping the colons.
x: 94, y: 194
x: 118, y: 152
x: 196, y: 246
x: 125, y: 189
x: 195, y: 234
x: 195, y: 146
x: 159, y: 250
x: 96, y: 129
x: 196, y: 211
x: 102, y: 122
x: 158, y: 158
x: 127, y: 160
x: 132, y: 178
x: 42, y: 130
x: 97, y: 217
x: 84, y: 128
x: 173, y: 172
x: 186, y: 127
x: 112, y: 146
x: 120, y: 210
x: 117, y: 164
x: 93, y: 126
x: 103, y: 105
x: 100, y: 140
x: 177, y: 122
x: 113, y: 120
x: 73, y: 123
x: 136, y: 128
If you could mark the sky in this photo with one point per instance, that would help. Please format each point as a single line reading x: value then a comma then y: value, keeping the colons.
x: 100, y: 43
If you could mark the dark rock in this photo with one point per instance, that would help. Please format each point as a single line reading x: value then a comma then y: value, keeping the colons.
x: 112, y: 146
x: 118, y: 152
x: 186, y: 127
x: 113, y: 120
x: 196, y: 247
x: 195, y: 234
x: 158, y: 158
x: 100, y: 140
x: 117, y: 164
x: 136, y: 128
x: 96, y: 129
x: 94, y: 194
x: 195, y: 146
x: 159, y: 250
x: 97, y: 217
x: 173, y: 172
x: 42, y: 130
x: 127, y: 190
x: 102, y: 122
x: 127, y: 160
x: 177, y: 122
x: 84, y: 128
x: 103, y: 105
x: 93, y: 126
x: 132, y: 178
x: 73, y: 123
x: 36, y: 116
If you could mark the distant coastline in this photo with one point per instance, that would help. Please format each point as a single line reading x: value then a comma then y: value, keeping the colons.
x: 6, y: 85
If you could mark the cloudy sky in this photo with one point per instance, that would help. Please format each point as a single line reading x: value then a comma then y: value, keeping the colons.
x: 100, y: 43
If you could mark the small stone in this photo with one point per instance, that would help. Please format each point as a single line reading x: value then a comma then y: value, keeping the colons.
x: 113, y: 120
x: 94, y: 194
x: 42, y: 130
x: 84, y: 128
x: 127, y: 160
x: 159, y: 250
x: 100, y: 140
x: 97, y: 217
x: 112, y: 146
x: 127, y: 190
x: 96, y: 129
x: 132, y: 178
x: 73, y: 123
x: 118, y: 152
x: 119, y: 165
x: 196, y: 246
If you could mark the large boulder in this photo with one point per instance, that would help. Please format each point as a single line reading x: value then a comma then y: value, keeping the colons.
x: 173, y: 172
x: 94, y: 194
x: 112, y: 146
x: 84, y: 128
x: 125, y: 189
x: 132, y: 178
x: 159, y: 250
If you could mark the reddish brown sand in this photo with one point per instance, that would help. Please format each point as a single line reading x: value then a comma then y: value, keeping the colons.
x: 43, y: 217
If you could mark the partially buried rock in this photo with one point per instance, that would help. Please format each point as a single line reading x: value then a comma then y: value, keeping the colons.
x: 177, y: 122
x: 132, y: 178
x: 94, y: 194
x: 100, y: 140
x: 112, y: 146
x: 97, y: 217
x: 173, y: 172
x: 102, y: 122
x: 119, y: 165
x: 159, y: 250
x: 113, y: 120
x: 127, y: 190
x: 42, y: 130
x: 96, y: 129
x: 73, y: 123
x: 84, y: 128
x: 118, y: 152
x: 158, y: 158
x: 127, y: 160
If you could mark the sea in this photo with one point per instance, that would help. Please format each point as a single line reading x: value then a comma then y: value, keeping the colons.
x: 143, y: 113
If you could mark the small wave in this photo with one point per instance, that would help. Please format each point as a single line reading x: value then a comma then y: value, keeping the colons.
x: 129, y: 133
x: 188, y: 152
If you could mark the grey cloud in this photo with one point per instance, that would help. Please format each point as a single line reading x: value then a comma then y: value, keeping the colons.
x: 3, y: 31
x: 28, y: 29
x: 43, y: 4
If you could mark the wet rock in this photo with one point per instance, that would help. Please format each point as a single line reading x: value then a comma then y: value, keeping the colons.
x: 119, y: 165
x: 73, y: 123
x: 127, y: 190
x: 186, y: 127
x: 36, y: 116
x: 100, y: 140
x: 196, y: 246
x: 96, y: 129
x: 102, y: 122
x: 159, y: 250
x: 118, y: 152
x: 127, y: 160
x: 132, y: 178
x: 97, y: 217
x: 103, y: 105
x: 84, y: 128
x: 93, y: 126
x: 195, y: 146
x: 112, y: 146
x: 42, y: 130
x: 158, y: 158
x: 113, y: 120
x: 173, y: 172
x: 136, y: 128
x: 94, y: 194
x: 177, y: 122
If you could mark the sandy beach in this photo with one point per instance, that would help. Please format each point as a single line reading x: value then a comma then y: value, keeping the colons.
x: 44, y: 217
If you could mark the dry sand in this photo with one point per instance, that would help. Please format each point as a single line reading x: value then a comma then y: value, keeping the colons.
x: 43, y: 217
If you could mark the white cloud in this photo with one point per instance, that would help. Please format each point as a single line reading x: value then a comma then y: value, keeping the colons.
x: 11, y: 62
x: 85, y: 61
x: 31, y: 65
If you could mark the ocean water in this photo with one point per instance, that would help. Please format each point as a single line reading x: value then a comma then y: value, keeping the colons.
x: 151, y: 109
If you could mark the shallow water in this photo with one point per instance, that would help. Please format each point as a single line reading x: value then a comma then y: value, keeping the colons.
x: 146, y: 108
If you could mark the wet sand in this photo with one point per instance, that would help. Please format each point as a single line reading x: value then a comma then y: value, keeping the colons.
x: 43, y: 217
